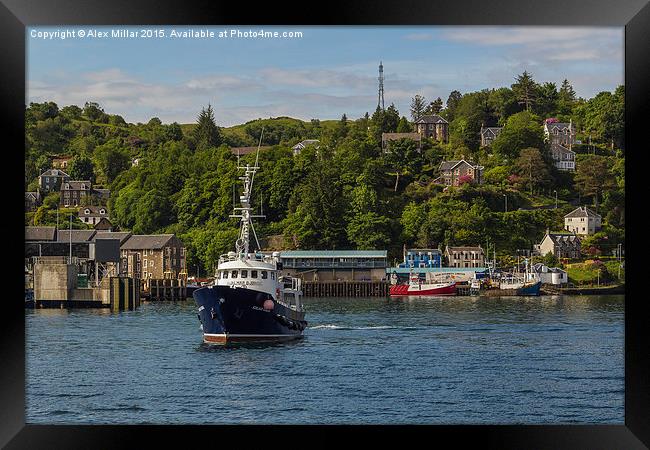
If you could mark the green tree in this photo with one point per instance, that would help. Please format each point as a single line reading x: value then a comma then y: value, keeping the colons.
x: 522, y: 130
x: 547, y: 100
x: 593, y: 177
x: 404, y: 126
x: 81, y: 168
x: 531, y: 166
x: 206, y: 132
x: 111, y: 159
x: 525, y: 90
x: 367, y: 229
x: 434, y: 107
x: 566, y: 98
x: 93, y: 112
x: 418, y: 105
x: 452, y: 104
x: 403, y: 158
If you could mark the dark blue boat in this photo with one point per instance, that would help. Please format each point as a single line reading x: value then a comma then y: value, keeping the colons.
x: 249, y: 300
x: 531, y: 289
x: 243, y: 315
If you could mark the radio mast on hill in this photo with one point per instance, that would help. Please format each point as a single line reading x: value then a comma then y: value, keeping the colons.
x: 380, y: 101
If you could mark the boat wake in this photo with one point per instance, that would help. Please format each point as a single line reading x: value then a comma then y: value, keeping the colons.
x: 370, y: 327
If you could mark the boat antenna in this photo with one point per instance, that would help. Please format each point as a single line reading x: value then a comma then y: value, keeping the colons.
x: 257, y: 157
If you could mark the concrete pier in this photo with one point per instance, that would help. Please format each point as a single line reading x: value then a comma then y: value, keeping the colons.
x: 56, y: 286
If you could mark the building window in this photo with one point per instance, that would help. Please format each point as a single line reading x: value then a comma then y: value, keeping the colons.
x: 273, y: 275
x: 145, y: 263
x: 224, y: 274
x: 233, y: 274
x: 264, y: 274
x: 253, y: 273
x: 244, y: 273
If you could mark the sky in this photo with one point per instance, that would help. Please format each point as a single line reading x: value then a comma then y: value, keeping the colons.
x: 325, y: 73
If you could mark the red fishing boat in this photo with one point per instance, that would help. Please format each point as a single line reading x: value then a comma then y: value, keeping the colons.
x: 418, y: 287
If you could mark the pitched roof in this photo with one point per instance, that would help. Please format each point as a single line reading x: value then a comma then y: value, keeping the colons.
x: 563, y: 239
x: 146, y: 241
x: 559, y: 148
x: 76, y: 185
x: 40, y: 233
x: 582, y: 211
x: 434, y: 118
x: 77, y: 235
x: 449, y: 165
x: 334, y: 254
x: 559, y: 125
x: 32, y: 194
x: 121, y: 235
x: 54, y: 173
x: 493, y: 130
x: 92, y: 211
x: 395, y: 136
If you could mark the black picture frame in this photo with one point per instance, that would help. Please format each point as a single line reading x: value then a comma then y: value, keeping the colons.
x: 634, y: 15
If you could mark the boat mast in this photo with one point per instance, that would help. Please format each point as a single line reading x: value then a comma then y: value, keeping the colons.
x: 243, y: 242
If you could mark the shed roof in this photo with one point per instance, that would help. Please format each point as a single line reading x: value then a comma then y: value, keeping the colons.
x: 77, y: 235
x: 146, y: 241
x: 334, y: 254
x: 121, y: 235
x: 40, y: 233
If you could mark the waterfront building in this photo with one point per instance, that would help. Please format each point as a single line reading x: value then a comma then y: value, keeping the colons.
x: 465, y: 256
x: 51, y: 180
x: 562, y: 245
x: 333, y: 265
x: 489, y: 134
x: 387, y: 138
x: 451, y: 172
x: 549, y: 275
x: 158, y: 256
x: 582, y: 220
x: 434, y: 127
x: 422, y: 257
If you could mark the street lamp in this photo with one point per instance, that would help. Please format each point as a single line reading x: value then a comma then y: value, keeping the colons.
x: 506, y: 197
x: 555, y: 198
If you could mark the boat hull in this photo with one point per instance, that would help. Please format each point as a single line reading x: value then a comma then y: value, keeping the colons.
x: 230, y: 315
x: 403, y: 289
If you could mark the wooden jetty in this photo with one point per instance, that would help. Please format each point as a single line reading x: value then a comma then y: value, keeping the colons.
x: 345, y: 288
x: 165, y: 289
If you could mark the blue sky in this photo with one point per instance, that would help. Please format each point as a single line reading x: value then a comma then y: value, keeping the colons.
x: 327, y: 72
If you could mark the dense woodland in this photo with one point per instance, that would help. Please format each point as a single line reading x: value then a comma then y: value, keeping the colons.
x: 347, y: 193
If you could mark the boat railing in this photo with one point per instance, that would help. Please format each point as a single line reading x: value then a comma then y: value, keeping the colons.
x: 232, y: 256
